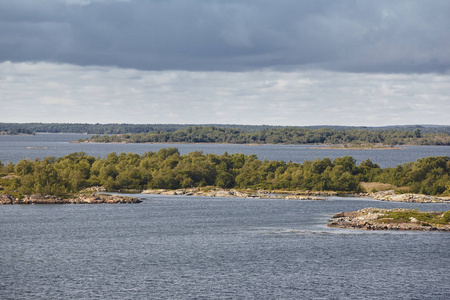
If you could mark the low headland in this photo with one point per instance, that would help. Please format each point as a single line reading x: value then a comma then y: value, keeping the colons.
x: 85, y: 198
x: 392, y: 219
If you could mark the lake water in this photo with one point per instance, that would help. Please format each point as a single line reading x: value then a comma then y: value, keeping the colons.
x: 15, y: 148
x: 213, y: 248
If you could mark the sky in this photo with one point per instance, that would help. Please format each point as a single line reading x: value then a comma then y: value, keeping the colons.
x: 284, y: 62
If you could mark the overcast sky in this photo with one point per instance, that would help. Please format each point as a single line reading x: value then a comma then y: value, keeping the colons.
x: 284, y: 62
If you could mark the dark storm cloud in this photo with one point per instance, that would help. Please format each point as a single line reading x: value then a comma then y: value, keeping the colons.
x: 359, y: 36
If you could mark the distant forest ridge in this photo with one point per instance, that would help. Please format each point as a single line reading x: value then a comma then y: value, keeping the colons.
x: 30, y: 128
x: 284, y: 135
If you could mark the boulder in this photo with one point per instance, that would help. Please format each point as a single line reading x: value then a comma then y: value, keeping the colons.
x: 413, y: 198
x: 6, y: 199
x: 41, y: 199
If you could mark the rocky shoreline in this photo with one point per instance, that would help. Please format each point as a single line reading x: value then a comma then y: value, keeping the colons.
x: 93, y: 198
x: 358, y: 147
x: 260, y: 194
x: 297, y: 195
x: 376, y: 219
x: 94, y: 195
x: 390, y: 195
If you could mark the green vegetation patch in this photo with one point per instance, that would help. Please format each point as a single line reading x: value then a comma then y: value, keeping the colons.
x: 168, y: 169
x: 423, y: 217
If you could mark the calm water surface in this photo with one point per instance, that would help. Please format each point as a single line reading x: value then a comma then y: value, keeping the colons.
x: 15, y: 148
x: 215, y: 248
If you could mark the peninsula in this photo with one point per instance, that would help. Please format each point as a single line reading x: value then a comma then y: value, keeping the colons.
x: 392, y: 219
x: 91, y: 198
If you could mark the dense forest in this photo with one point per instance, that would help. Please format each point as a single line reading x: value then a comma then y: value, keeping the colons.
x: 17, y: 131
x: 284, y: 135
x: 115, y: 128
x: 169, y: 170
x: 29, y: 128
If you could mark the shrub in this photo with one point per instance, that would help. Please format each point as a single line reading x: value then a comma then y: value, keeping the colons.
x: 446, y: 216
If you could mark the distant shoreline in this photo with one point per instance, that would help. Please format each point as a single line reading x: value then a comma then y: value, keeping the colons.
x: 100, y: 195
x: 13, y: 134
x: 355, y: 147
x: 315, y: 146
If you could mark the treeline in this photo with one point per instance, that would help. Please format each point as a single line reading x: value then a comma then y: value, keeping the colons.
x: 116, y: 128
x: 285, y: 135
x: 110, y: 128
x: 88, y: 128
x: 167, y: 169
x: 17, y: 131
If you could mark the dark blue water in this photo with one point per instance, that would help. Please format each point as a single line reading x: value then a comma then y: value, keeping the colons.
x: 215, y: 248
x: 15, y: 148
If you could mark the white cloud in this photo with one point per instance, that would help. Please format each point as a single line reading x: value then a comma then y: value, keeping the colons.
x: 45, y: 92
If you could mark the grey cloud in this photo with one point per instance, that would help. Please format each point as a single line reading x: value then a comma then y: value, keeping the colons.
x: 46, y: 92
x: 343, y: 35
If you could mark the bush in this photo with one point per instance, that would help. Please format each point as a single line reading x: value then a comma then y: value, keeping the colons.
x: 446, y: 216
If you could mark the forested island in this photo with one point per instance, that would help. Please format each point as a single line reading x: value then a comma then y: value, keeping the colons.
x: 167, y: 169
x: 362, y: 138
x: 346, y: 136
x: 119, y: 128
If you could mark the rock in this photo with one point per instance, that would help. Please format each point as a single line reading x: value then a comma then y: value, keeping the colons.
x: 224, y: 194
x: 95, y: 189
x: 79, y: 199
x: 103, y: 198
x: 413, y: 198
x: 260, y: 194
x: 154, y: 192
x: 41, y: 199
x: 296, y: 197
x: 6, y: 199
